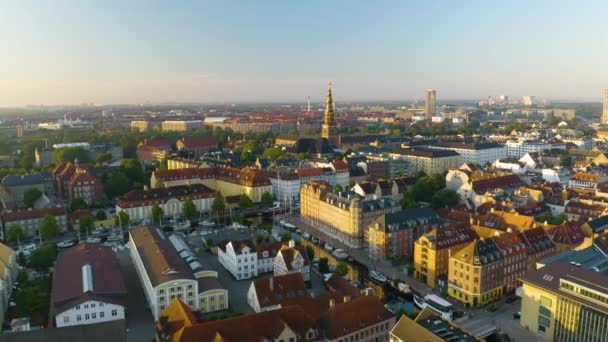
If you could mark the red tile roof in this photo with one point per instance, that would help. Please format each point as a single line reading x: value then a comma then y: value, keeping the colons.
x: 273, y: 290
x: 18, y: 215
x: 108, y: 282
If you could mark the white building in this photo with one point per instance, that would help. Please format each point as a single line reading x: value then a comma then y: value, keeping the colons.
x: 267, y: 294
x: 244, y: 260
x: 476, y: 153
x: 285, y: 187
x: 292, y: 259
x: 167, y: 269
x: 88, y: 286
x: 138, y: 203
x: 240, y: 258
x: 518, y: 148
x: 340, y: 168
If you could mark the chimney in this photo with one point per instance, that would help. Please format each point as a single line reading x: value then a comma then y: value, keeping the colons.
x: 492, y: 209
x: 332, y: 302
x: 292, y: 243
x: 271, y: 282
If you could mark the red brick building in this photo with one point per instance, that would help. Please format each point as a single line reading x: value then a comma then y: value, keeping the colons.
x: 196, y: 147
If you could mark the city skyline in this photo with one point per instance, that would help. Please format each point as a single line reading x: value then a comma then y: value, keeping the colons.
x: 109, y: 53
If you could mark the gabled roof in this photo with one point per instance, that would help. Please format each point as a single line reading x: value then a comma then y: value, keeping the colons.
x: 107, y: 279
x: 356, y: 314
x: 290, y: 254
x: 274, y: 290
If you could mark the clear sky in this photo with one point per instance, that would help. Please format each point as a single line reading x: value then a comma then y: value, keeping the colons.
x: 60, y: 52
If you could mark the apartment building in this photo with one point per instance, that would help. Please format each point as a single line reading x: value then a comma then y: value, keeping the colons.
x: 476, y: 153
x: 343, y: 216
x: 8, y: 275
x: 168, y: 270
x: 430, y: 161
x: 519, y: 148
x: 138, y: 203
x: 30, y: 219
x: 227, y: 180
x: 153, y: 151
x: 181, y: 125
x: 393, y: 235
x: 196, y: 147
x: 75, y: 181
x: 292, y: 259
x: 564, y: 302
x: 432, y: 253
x: 244, y: 259
x: 271, y: 293
x: 88, y: 286
x: 141, y: 125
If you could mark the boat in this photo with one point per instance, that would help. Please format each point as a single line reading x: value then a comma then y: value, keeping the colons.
x: 93, y: 240
x: 328, y: 247
x: 350, y: 259
x: 377, y: 276
x: 306, y: 235
x: 339, y: 254
x: 66, y: 244
x: 315, y: 240
x: 401, y: 286
x: 207, y: 224
x: 436, y: 304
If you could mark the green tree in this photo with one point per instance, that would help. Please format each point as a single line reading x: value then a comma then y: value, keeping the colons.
x: 70, y: 154
x: 15, y: 233
x: 245, y: 202
x: 304, y: 156
x: 103, y: 158
x: 21, y: 259
x: 101, y: 215
x: 86, y: 224
x: 116, y: 183
x: 189, y: 209
x: 157, y: 214
x: 44, y: 257
x: 286, y: 236
x: 78, y: 203
x: 218, y: 204
x: 266, y: 199
x: 445, y: 197
x: 341, y: 269
x: 134, y: 170
x: 31, y: 196
x: 122, y: 219
x: 273, y: 153
x: 310, y: 252
x: 49, y: 227
x: 408, y: 200
x: 338, y: 188
x: 323, y: 265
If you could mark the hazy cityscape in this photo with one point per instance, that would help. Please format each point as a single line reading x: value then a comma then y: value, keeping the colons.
x: 303, y: 171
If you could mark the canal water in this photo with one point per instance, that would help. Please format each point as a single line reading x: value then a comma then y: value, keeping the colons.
x: 356, y: 271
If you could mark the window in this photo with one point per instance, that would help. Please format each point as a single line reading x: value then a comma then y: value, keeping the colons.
x: 78, y: 317
x: 86, y: 306
x: 66, y: 319
x: 189, y: 287
x: 161, y: 299
x: 94, y: 315
x: 544, y: 311
x: 87, y: 317
x: 77, y: 307
x: 544, y: 301
x: 115, y: 312
x: 102, y: 314
x: 543, y: 321
x: 161, y: 291
x: 100, y: 305
x: 93, y: 305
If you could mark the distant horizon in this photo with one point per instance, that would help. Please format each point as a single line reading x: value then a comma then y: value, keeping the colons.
x: 66, y: 52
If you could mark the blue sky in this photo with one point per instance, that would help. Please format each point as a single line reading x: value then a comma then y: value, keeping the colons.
x: 58, y: 52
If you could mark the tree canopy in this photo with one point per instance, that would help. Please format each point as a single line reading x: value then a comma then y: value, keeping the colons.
x: 266, y: 199
x: 31, y: 196
x: 245, y: 202
x: 15, y: 233
x: 44, y: 257
x: 273, y: 153
x: 86, y: 224
x: 444, y: 197
x: 69, y: 154
x: 101, y: 215
x: 157, y: 214
x: 218, y: 203
x: 122, y: 218
x: 49, y: 227
x: 341, y: 269
x: 78, y: 203
x: 189, y: 209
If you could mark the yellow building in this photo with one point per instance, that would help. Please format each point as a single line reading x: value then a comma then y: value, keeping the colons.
x: 344, y: 218
x: 181, y: 125
x: 428, y: 327
x: 431, y: 161
x: 474, y: 273
x: 564, y: 302
x: 140, y: 125
x: 229, y: 181
x: 432, y: 253
x: 182, y: 163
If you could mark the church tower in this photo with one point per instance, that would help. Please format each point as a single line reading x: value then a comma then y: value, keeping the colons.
x: 330, y: 130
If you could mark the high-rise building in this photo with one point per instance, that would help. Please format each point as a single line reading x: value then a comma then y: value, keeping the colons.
x: 529, y: 100
x: 329, y: 129
x: 605, y: 112
x: 431, y: 96
x: 20, y: 128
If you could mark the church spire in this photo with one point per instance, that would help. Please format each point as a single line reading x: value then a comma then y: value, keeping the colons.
x: 329, y: 108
